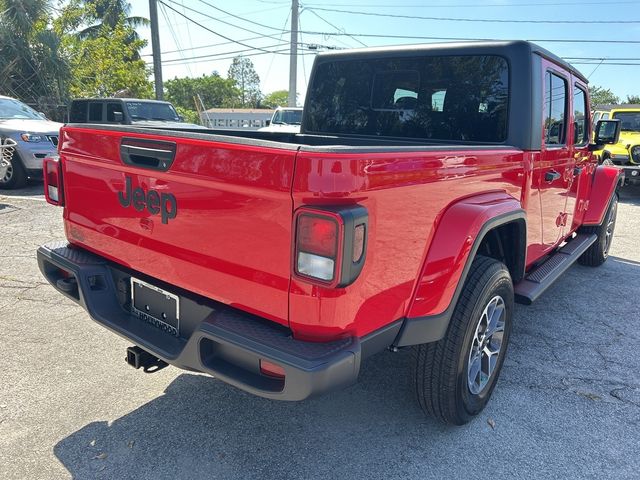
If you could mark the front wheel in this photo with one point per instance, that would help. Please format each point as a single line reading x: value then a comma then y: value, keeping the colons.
x: 598, y: 252
x: 454, y: 377
x: 13, y: 175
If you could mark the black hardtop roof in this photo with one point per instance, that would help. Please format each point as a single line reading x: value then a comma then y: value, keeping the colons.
x: 509, y: 47
x: 119, y: 99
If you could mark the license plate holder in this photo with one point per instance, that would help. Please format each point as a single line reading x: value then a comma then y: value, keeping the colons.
x: 156, y: 306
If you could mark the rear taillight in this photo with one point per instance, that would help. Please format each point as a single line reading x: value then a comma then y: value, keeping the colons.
x: 53, y: 180
x: 330, y: 244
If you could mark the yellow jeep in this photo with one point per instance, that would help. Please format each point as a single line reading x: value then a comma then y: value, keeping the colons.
x: 625, y: 152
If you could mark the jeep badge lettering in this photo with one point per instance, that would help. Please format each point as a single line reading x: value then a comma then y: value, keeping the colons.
x: 163, y: 203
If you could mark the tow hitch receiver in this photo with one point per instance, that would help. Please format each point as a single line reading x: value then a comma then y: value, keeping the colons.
x: 137, y: 358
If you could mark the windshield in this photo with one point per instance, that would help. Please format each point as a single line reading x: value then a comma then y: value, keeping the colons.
x: 629, y: 121
x: 152, y: 111
x: 10, y: 108
x: 287, y: 117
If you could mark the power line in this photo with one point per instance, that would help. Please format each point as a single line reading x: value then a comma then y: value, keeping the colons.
x: 239, y: 17
x: 215, y: 33
x: 463, y: 39
x: 337, y: 28
x: 473, y: 20
x: 212, y: 55
x: 468, y: 5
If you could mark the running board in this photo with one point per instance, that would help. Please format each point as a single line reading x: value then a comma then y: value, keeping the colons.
x: 544, y: 275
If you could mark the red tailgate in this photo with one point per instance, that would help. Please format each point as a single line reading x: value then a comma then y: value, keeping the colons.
x: 218, y: 223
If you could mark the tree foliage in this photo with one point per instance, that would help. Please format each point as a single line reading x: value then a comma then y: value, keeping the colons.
x: 633, y: 99
x: 33, y: 66
x: 247, y: 81
x: 602, y: 96
x: 276, y: 99
x: 214, y: 91
x: 105, y: 65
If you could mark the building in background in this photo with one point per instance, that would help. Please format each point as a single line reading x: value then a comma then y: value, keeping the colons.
x: 234, y: 118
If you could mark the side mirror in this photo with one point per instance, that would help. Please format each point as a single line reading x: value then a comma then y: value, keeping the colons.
x: 180, y: 118
x: 267, y: 122
x: 118, y: 117
x: 607, y: 132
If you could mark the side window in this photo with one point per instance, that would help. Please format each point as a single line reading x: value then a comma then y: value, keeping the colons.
x: 78, y: 113
x: 95, y: 112
x: 605, y: 116
x: 112, y: 108
x: 437, y: 100
x: 555, y: 107
x: 580, y: 117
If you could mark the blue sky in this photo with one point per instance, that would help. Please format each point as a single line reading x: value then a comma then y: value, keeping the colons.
x: 272, y: 22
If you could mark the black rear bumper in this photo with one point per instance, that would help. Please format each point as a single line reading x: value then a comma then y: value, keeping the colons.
x: 214, y: 338
x: 631, y: 174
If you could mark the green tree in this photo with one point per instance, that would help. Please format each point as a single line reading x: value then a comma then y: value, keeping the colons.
x: 214, y: 91
x: 247, y: 81
x: 633, y: 99
x: 602, y: 96
x: 104, y: 66
x: 33, y: 66
x: 279, y: 98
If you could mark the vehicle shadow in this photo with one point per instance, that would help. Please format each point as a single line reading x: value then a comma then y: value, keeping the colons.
x: 630, y: 194
x: 33, y: 187
x: 202, y: 428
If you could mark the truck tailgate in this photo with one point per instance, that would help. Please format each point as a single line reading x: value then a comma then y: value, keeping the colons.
x: 216, y: 222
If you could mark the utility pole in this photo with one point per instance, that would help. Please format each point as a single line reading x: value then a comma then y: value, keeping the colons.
x: 155, y: 49
x: 293, y: 55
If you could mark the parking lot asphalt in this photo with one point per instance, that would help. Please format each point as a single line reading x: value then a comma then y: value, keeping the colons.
x: 566, y: 406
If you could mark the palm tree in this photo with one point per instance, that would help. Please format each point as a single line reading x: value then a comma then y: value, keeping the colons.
x: 107, y: 13
x: 32, y: 67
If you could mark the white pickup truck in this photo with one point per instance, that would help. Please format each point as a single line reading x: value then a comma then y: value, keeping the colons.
x: 284, y: 119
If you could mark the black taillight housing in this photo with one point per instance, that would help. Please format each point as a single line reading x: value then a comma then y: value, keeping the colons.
x: 52, y: 172
x: 330, y: 244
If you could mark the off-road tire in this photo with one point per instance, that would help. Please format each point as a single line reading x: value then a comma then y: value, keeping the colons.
x: 598, y: 253
x: 17, y: 175
x: 440, y: 369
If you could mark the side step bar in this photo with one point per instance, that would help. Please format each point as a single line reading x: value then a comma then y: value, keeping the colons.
x: 545, y: 274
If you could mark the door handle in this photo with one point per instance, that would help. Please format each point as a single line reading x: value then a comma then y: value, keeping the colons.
x: 551, y: 176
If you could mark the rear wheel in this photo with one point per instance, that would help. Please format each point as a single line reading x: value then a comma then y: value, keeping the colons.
x: 454, y: 377
x: 13, y: 175
x: 598, y: 253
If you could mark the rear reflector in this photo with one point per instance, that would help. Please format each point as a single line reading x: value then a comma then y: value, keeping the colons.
x: 271, y: 369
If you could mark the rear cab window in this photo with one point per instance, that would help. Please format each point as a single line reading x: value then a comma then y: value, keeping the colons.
x: 459, y: 98
x: 629, y: 120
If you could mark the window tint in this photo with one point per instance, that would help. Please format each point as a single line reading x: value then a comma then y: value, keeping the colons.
x: 78, y: 112
x: 580, y: 117
x: 95, y: 112
x: 111, y: 109
x: 460, y: 98
x: 555, y: 106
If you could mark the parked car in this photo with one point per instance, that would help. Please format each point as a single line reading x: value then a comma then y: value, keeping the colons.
x: 35, y: 136
x: 278, y: 264
x: 127, y: 111
x: 285, y: 120
x: 629, y: 116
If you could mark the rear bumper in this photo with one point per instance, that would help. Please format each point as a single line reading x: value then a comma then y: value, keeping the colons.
x: 214, y: 338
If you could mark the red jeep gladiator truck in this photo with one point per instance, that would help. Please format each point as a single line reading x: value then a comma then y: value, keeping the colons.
x: 430, y: 188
